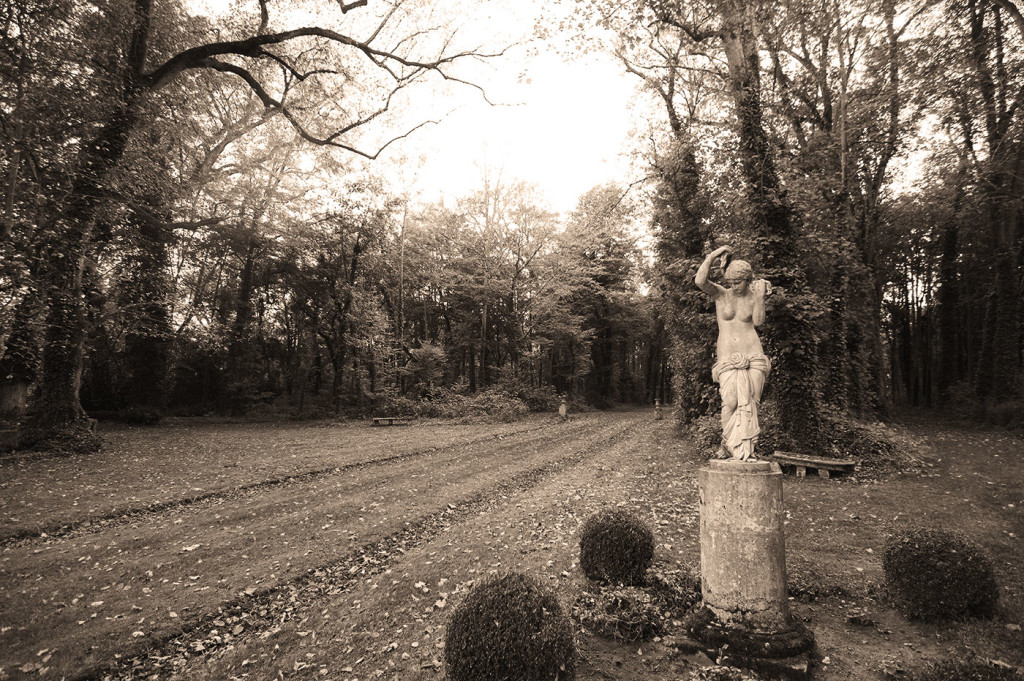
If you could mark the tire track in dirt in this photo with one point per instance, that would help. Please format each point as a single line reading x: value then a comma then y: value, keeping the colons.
x: 155, y: 564
x: 264, y: 609
x: 369, y: 627
x: 126, y: 516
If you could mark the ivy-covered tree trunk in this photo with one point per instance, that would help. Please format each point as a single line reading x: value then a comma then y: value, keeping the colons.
x: 56, y: 410
x: 679, y: 211
x: 835, y: 353
x: 790, y: 326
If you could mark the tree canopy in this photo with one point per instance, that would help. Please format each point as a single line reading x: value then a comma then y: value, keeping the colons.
x: 195, y: 217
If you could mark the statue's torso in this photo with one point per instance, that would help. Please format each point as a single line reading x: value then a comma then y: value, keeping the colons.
x: 736, y: 332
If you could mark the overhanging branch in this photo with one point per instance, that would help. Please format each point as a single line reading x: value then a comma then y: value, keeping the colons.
x: 333, y: 139
x: 1010, y: 8
x: 299, y: 75
x: 348, y: 7
x: 254, y: 47
x: 242, y: 73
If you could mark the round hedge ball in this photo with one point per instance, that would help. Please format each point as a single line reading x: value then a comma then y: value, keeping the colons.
x: 936, y: 575
x: 616, y: 547
x: 508, y: 628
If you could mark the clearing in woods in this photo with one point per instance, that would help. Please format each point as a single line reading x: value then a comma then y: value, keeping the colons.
x: 226, y: 550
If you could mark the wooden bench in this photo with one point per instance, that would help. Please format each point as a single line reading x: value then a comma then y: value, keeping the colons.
x: 391, y: 420
x: 799, y: 464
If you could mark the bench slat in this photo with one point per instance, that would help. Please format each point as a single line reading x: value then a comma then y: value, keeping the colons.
x: 814, y: 462
x: 391, y: 420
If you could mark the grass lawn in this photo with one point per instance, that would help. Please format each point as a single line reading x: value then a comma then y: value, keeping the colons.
x: 220, y: 550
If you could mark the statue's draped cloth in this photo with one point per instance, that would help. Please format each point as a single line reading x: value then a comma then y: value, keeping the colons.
x: 741, y: 375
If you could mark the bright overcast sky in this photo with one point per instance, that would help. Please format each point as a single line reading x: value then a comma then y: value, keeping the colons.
x: 561, y: 123
x: 564, y: 129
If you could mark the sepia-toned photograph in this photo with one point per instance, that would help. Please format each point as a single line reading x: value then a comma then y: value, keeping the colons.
x: 512, y: 340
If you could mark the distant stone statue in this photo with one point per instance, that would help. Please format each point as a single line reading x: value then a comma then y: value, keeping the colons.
x: 741, y: 366
x: 563, y: 410
x: 657, y: 409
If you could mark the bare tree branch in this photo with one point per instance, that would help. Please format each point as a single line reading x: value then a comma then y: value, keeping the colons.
x: 332, y: 139
x: 1010, y: 8
x: 382, y: 24
x: 193, y: 225
x: 264, y: 18
x: 250, y: 80
x: 347, y: 7
x: 697, y: 36
x: 299, y: 75
x: 230, y: 135
x: 254, y: 47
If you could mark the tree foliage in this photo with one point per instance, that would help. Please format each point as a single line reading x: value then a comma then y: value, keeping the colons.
x: 191, y: 220
x: 790, y: 129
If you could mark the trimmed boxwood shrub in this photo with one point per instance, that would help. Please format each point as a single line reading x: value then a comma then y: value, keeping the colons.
x: 970, y: 669
x: 616, y: 547
x: 508, y: 628
x: 938, y: 575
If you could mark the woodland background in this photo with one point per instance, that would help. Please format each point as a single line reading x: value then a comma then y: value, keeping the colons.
x: 191, y: 224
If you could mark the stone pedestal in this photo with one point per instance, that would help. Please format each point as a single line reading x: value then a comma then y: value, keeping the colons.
x: 745, y: 619
x: 742, y: 547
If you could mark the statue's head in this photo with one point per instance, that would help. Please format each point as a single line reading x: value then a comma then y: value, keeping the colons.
x: 739, y: 271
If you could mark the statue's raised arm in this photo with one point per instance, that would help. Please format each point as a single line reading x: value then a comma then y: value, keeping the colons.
x: 702, y: 281
x: 741, y: 367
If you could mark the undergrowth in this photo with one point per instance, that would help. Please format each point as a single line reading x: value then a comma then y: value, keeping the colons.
x: 638, y: 613
x: 879, y: 447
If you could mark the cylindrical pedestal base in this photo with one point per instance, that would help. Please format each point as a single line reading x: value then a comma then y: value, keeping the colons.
x: 742, y: 548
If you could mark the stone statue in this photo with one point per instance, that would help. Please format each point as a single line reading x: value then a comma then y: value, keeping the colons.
x: 563, y: 410
x: 741, y: 367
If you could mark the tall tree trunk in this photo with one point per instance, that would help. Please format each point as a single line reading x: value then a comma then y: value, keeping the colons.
x: 240, y: 351
x: 19, y: 365
x: 949, y: 350
x: 999, y: 371
x: 148, y: 343
x: 1005, y: 349
x: 485, y: 378
x: 794, y: 381
x: 338, y: 381
x: 56, y: 407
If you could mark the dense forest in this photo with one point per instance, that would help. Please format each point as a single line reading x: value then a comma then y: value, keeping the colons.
x: 194, y: 222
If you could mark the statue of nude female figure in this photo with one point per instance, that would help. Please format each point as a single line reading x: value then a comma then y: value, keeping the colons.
x: 741, y: 367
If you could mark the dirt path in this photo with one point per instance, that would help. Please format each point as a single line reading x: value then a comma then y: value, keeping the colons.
x: 154, y: 469
x: 124, y: 587
x: 349, y: 571
x: 390, y: 622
